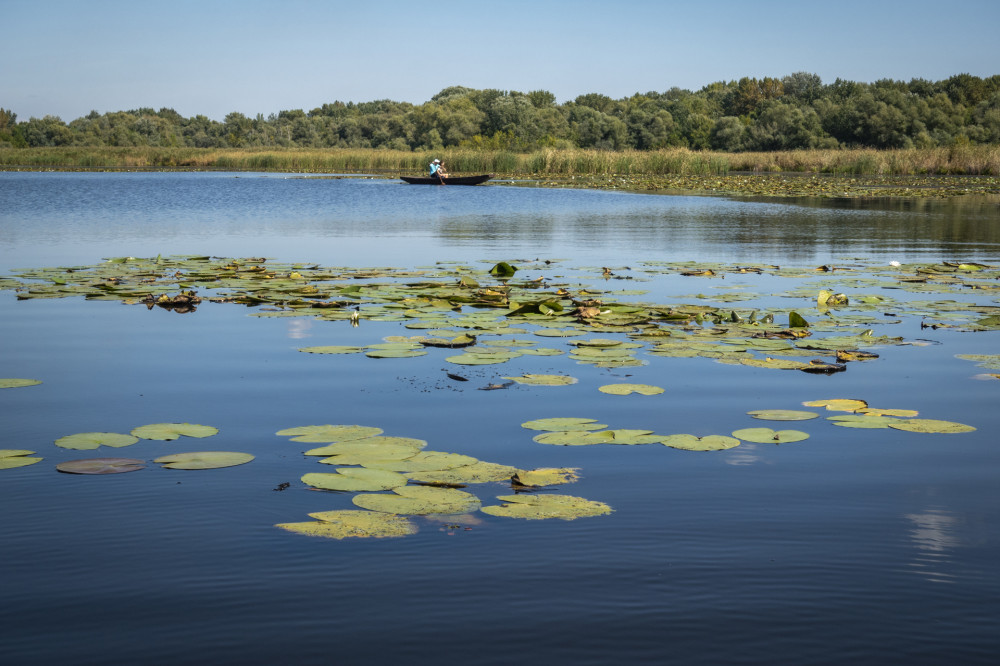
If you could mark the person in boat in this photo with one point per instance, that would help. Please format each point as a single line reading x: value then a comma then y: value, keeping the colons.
x: 438, y: 170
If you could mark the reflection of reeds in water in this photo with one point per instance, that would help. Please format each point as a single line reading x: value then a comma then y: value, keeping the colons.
x: 968, y: 160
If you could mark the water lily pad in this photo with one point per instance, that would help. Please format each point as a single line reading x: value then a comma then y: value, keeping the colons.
x: 769, y: 436
x: 353, y: 524
x: 395, y: 353
x: 479, y: 472
x: 92, y: 440
x: 546, y: 476
x: 11, y: 458
x: 539, y: 507
x: 170, y: 431
x: 353, y: 479
x: 862, y: 420
x: 101, y: 466
x: 419, y: 500
x: 329, y: 433
x: 13, y: 382
x: 876, y: 411
x: 782, y: 415
x: 706, y: 443
x: 774, y: 363
x: 204, y: 460
x: 386, y: 448
x: 423, y: 461
x: 627, y: 389
x: 838, y: 404
x: 931, y: 426
x: 544, y: 380
x: 332, y: 349
x: 563, y: 423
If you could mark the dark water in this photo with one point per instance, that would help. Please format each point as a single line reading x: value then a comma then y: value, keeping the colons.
x: 862, y: 546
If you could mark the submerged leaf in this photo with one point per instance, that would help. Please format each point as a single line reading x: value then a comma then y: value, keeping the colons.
x: 353, y: 524
x: 538, y: 507
x: 101, y: 466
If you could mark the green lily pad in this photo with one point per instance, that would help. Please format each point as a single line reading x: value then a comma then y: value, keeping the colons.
x: 782, y: 415
x: 862, y: 420
x: 544, y: 380
x: 423, y: 461
x: 419, y: 500
x: 838, y: 404
x: 931, y: 426
x: 395, y: 353
x: 332, y: 349
x: 563, y: 423
x: 774, y: 363
x: 353, y: 479
x: 170, y: 431
x: 101, y: 466
x: 385, y: 448
x: 539, y: 507
x: 546, y: 476
x: 11, y: 458
x: 329, y: 433
x: 479, y: 472
x: 707, y: 443
x: 627, y: 389
x: 353, y: 524
x: 12, y: 382
x: 92, y: 440
x: 204, y: 460
x: 769, y: 436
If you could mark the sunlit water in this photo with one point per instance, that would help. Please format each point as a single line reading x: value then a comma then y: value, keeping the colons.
x: 861, y: 546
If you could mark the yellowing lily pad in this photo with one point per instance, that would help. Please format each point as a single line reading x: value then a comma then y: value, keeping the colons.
x: 479, y: 472
x: 354, y: 479
x: 769, y: 436
x: 838, y: 404
x: 546, y: 476
x: 627, y: 389
x: 544, y: 380
x: 419, y: 500
x: 329, y: 433
x: 862, y: 420
x: 782, y: 415
x: 423, y: 461
x: 204, y: 460
x: 539, y: 507
x: 706, y: 443
x: 12, y: 382
x: 92, y: 440
x: 101, y: 466
x: 875, y: 411
x: 353, y: 524
x: 931, y: 426
x: 11, y: 458
x: 170, y: 431
x: 563, y: 423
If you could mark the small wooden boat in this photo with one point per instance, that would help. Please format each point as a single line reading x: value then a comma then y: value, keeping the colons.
x: 448, y: 180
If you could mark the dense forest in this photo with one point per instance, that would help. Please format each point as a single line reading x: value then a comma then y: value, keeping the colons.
x: 797, y: 111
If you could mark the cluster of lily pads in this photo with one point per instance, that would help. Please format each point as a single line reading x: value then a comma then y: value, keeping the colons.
x: 574, y: 431
x: 10, y: 458
x: 419, y: 483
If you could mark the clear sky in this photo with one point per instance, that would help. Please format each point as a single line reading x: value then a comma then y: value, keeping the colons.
x: 210, y: 57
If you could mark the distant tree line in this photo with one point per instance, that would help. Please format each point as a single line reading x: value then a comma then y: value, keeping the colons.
x: 792, y: 112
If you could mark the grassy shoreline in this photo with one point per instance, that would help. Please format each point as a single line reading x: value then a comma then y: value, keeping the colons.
x: 918, y: 172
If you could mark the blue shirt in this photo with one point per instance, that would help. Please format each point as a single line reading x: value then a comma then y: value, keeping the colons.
x: 434, y: 168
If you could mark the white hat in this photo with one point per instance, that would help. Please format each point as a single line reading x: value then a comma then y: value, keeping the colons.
x: 436, y: 162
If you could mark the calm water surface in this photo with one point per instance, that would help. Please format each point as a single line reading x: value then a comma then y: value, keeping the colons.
x: 868, y: 546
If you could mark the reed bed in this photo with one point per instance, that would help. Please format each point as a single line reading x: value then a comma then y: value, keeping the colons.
x: 958, y: 160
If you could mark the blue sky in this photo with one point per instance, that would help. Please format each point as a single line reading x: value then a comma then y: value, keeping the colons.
x: 210, y: 57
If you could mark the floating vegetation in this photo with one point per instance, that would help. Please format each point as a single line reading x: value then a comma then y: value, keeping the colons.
x: 540, y: 507
x: 707, y: 443
x: 12, y: 382
x: 930, y: 426
x: 628, y: 389
x: 92, y: 440
x: 171, y: 431
x: 329, y: 433
x: 353, y: 524
x: 544, y: 380
x: 204, y: 460
x: 101, y: 466
x: 769, y: 436
x: 782, y: 415
x: 420, y: 500
x: 11, y: 458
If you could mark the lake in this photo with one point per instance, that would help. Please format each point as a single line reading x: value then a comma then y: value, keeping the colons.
x: 867, y: 545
